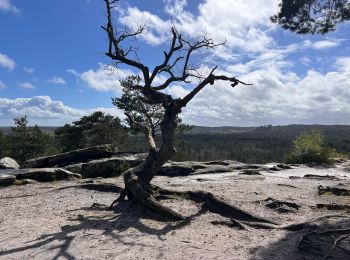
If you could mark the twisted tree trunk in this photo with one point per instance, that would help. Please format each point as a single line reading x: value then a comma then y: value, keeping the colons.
x: 137, y: 180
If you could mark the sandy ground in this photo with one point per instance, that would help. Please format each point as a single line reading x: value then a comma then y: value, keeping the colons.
x: 60, y: 221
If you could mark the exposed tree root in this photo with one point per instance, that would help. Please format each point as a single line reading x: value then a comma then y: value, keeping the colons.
x: 292, y: 227
x: 144, y: 194
x: 333, y: 190
x: 121, y: 197
x: 260, y: 225
x: 213, y: 204
x: 147, y: 196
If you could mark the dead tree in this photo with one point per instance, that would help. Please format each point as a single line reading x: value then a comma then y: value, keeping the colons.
x: 137, y: 180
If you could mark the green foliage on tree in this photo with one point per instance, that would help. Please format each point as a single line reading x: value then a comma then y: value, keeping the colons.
x: 140, y: 112
x: 95, y: 129
x: 24, y: 142
x: 19, y: 139
x: 137, y: 110
x: 309, y: 147
x: 40, y: 143
x: 2, y: 144
x: 312, y: 16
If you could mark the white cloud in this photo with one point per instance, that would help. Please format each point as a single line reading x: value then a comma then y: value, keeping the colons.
x: 175, y: 7
x: 278, y: 97
x: 2, y: 85
x: 326, y: 44
x: 6, y: 62
x: 177, y: 91
x: 73, y: 72
x: 104, y: 79
x: 343, y: 63
x: 157, y: 29
x: 29, y: 70
x: 27, y: 85
x: 7, y: 6
x: 233, y: 21
x: 305, y: 60
x: 57, y: 80
x: 42, y: 110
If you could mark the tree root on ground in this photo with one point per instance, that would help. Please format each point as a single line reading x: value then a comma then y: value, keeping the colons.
x: 333, y: 190
x: 148, y: 195
x: 312, y: 224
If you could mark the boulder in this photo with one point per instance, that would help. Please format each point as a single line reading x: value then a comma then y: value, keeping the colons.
x: 8, y: 163
x: 171, y: 170
x: 7, y: 180
x: 109, y: 167
x: 73, y: 157
x: 174, y: 169
x: 42, y: 174
x: 74, y: 167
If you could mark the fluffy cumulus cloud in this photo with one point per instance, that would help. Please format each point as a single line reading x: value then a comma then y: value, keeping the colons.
x: 57, y: 80
x: 7, y: 6
x: 42, y: 110
x: 277, y: 97
x: 104, y: 79
x: 243, y: 26
x: 6, y: 62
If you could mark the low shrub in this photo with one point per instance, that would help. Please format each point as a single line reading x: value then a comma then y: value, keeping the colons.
x: 309, y: 148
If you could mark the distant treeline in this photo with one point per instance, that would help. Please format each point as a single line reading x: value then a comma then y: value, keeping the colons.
x: 245, y: 144
x: 22, y: 142
x: 250, y: 145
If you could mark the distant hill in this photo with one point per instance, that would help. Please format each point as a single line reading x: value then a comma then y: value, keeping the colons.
x: 284, y: 132
x: 219, y: 130
x: 248, y: 144
x: 287, y: 131
x: 245, y: 144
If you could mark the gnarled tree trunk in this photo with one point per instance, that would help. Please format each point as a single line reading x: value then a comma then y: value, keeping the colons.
x: 137, y: 180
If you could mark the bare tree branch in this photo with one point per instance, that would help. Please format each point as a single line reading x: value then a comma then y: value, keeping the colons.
x: 115, y: 52
x: 205, y: 43
x: 177, y: 39
x: 210, y: 80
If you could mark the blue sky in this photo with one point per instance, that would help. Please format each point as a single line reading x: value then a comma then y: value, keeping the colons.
x: 53, y: 68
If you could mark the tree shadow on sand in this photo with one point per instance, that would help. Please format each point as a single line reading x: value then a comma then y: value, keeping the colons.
x: 329, y: 240
x: 128, y: 215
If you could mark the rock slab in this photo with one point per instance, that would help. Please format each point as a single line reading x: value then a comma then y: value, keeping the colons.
x: 73, y: 157
x: 40, y: 175
x: 107, y: 167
